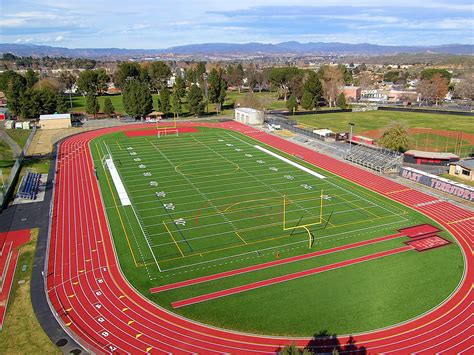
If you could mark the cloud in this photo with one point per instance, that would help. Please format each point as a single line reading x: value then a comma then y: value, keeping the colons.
x: 165, y: 23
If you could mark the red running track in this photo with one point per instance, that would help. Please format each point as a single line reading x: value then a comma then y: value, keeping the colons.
x: 269, y: 264
x: 98, y: 306
x: 288, y: 277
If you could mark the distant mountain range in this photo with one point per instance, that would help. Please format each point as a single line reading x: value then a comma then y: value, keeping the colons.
x: 225, y: 49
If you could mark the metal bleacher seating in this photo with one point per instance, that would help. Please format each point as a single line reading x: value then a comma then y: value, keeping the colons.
x: 29, y: 186
x: 378, y: 159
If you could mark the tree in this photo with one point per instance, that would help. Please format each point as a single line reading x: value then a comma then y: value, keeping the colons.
x: 136, y: 97
x: 427, y: 74
x: 254, y: 101
x: 465, y: 89
x: 332, y: 82
x: 66, y: 82
x: 307, y: 101
x: 440, y: 87
x: 92, y: 104
x: 292, y: 103
x: 34, y: 102
x: 180, y: 87
x: 164, y: 101
x: 13, y: 85
x: 125, y: 72
x: 159, y: 73
x: 51, y: 84
x: 31, y: 78
x: 346, y: 74
x: 217, y: 88
x: 109, y: 108
x: 312, y: 91
x: 102, y: 80
x: 62, y: 106
x: 395, y: 138
x: 434, y: 89
x: 88, y: 82
x: 195, y: 100
x: 341, y: 101
x: 175, y: 103
x: 281, y: 77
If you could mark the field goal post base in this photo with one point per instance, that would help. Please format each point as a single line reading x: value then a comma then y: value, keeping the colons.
x: 304, y: 226
x: 171, y: 129
x: 167, y: 132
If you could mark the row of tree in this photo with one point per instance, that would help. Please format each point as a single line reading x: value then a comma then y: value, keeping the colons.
x: 307, y: 88
x: 29, y: 96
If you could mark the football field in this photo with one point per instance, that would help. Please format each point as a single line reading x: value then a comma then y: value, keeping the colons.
x: 202, y: 197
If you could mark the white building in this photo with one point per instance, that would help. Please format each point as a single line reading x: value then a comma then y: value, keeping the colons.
x: 249, y: 116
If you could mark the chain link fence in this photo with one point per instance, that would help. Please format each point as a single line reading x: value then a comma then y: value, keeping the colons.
x: 8, y: 185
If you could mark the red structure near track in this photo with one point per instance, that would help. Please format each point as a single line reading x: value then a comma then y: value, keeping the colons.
x: 98, y: 306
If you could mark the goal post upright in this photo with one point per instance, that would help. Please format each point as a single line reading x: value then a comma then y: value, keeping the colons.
x: 166, y: 129
x: 304, y: 226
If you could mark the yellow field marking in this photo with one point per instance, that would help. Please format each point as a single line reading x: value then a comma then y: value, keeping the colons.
x: 68, y: 324
x: 171, y: 234
x: 138, y: 335
x: 71, y: 296
x: 130, y: 322
x: 242, y: 239
x: 118, y: 144
x: 397, y: 191
x: 125, y: 309
x: 69, y: 310
x: 121, y: 296
x: 118, y: 212
x: 149, y: 349
x: 460, y: 220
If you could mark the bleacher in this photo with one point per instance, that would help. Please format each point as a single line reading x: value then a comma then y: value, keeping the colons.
x: 29, y: 186
x: 375, y: 158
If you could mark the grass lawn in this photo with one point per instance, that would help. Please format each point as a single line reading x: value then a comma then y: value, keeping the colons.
x: 6, y: 159
x: 371, y: 120
x: 19, y: 135
x: 79, y: 102
x: 372, y: 124
x: 21, y: 331
x: 210, y: 201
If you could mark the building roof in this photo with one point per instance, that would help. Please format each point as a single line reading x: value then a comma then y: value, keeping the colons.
x: 431, y: 155
x: 56, y: 116
x: 467, y: 163
x: 247, y: 110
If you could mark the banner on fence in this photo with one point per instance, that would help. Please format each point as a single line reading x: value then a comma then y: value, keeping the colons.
x: 447, y: 186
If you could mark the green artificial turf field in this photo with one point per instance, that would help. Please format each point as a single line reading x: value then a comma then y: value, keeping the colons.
x: 212, y: 201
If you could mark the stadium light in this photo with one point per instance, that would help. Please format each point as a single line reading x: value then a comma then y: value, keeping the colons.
x: 350, y: 135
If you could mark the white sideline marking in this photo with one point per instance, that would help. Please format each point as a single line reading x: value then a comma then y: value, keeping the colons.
x: 122, y: 193
x: 296, y: 165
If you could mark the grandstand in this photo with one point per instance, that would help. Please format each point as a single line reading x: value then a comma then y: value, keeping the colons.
x: 29, y: 186
x: 375, y: 158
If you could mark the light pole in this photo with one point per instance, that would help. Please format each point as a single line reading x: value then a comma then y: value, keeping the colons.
x: 350, y: 135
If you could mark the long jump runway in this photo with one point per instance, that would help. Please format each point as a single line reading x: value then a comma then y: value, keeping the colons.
x: 98, y: 307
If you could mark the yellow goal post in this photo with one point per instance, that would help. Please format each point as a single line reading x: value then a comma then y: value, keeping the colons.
x: 305, y: 226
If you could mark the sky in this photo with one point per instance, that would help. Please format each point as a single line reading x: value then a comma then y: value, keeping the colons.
x: 153, y: 24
